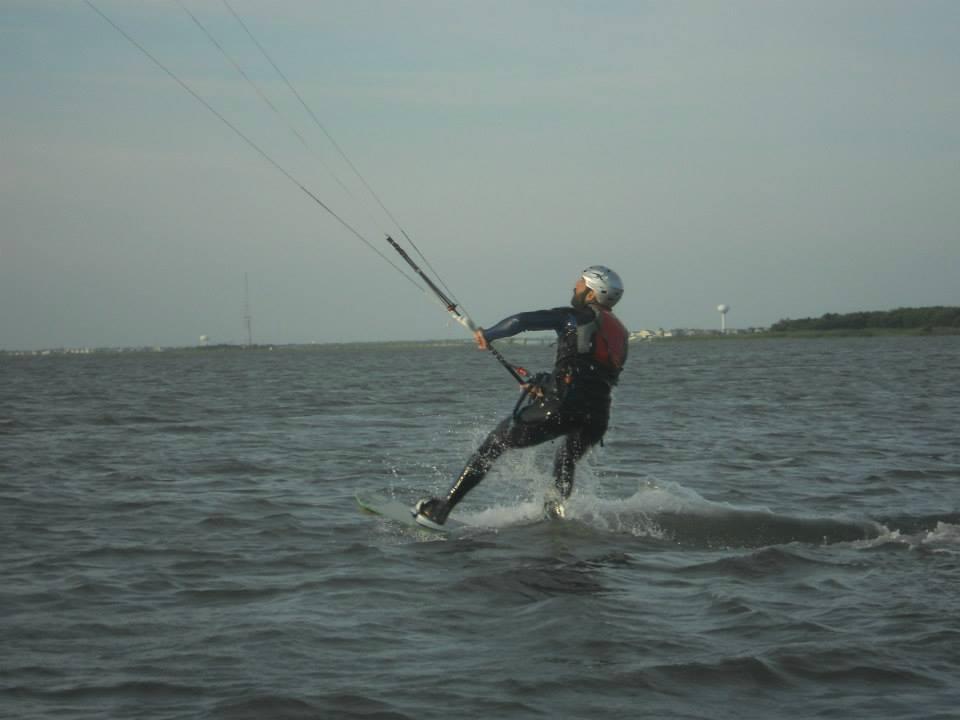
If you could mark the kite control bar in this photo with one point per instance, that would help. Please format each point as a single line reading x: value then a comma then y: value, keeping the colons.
x: 458, y: 313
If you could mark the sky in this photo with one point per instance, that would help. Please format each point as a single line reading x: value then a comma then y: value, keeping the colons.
x: 785, y: 158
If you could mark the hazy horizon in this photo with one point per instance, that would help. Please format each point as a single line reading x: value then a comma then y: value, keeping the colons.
x: 786, y: 159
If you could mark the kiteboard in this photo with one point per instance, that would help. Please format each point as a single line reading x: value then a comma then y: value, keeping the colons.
x: 397, y: 511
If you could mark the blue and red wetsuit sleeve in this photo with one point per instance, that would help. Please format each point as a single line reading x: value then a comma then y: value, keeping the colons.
x: 557, y: 319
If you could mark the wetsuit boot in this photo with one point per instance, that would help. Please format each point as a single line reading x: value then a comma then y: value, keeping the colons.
x: 433, y: 512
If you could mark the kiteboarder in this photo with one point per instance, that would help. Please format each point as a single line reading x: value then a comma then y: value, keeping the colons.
x: 572, y: 401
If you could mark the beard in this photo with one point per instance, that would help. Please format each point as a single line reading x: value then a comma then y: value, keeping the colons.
x: 579, y: 300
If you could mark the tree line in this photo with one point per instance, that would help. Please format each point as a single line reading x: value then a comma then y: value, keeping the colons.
x: 902, y: 318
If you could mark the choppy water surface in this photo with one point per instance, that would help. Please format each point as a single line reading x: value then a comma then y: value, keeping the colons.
x: 772, y: 530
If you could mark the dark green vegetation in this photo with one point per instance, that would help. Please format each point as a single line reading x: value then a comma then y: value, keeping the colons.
x: 925, y: 319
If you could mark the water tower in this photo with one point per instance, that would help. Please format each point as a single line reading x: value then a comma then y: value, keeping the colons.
x: 723, y: 310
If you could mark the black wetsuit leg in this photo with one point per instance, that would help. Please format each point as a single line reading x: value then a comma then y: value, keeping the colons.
x: 582, y: 428
x: 510, y: 433
x: 574, y: 447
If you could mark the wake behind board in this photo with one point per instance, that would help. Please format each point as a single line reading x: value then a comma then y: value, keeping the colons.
x: 396, y: 511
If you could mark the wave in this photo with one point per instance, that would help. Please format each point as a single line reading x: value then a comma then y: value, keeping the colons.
x: 130, y: 689
x: 341, y: 705
x: 935, y: 534
x: 914, y: 524
x: 750, y: 528
x: 672, y: 513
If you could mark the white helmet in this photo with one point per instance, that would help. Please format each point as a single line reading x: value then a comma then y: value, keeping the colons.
x: 605, y: 283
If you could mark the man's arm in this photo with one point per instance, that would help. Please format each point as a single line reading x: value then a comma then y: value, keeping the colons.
x: 556, y: 319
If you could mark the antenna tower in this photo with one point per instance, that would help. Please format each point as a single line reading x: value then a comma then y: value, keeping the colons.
x: 247, y: 318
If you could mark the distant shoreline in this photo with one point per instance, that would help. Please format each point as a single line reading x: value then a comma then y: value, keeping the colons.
x: 816, y: 334
x: 731, y: 335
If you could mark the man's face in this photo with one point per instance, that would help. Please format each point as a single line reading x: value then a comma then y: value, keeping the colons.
x: 580, y: 291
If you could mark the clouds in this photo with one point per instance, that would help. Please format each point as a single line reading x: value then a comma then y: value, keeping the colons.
x: 788, y: 158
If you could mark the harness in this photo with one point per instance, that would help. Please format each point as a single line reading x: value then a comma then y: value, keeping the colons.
x: 588, y: 354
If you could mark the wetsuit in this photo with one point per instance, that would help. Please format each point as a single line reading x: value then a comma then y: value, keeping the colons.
x: 591, y: 351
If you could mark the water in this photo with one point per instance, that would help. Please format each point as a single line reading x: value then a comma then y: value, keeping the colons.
x: 772, y: 530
